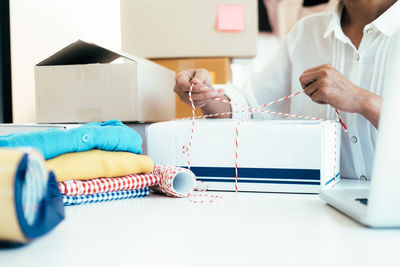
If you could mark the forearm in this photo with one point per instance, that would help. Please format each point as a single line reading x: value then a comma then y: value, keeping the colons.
x: 214, y: 107
x: 371, y: 108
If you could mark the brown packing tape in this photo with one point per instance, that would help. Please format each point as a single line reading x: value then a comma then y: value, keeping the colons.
x: 219, y: 68
x: 9, y: 225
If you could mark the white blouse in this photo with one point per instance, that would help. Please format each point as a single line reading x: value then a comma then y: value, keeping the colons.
x: 317, y: 40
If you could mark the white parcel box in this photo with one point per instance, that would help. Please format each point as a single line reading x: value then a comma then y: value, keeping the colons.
x: 273, y: 155
x: 84, y: 82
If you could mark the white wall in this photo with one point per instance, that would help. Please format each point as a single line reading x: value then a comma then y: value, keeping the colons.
x: 40, y: 28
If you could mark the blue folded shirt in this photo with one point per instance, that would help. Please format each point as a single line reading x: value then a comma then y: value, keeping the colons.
x: 111, y: 135
x: 107, y: 196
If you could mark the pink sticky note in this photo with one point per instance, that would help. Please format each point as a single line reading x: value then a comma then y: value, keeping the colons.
x: 230, y: 17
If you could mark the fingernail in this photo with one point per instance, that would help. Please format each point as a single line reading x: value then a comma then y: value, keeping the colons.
x: 221, y: 91
x: 203, y: 88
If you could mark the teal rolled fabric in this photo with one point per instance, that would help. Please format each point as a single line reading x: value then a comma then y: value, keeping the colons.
x: 112, y: 135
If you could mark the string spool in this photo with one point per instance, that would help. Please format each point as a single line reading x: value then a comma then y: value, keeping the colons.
x: 30, y: 202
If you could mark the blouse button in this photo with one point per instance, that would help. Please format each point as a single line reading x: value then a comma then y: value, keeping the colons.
x: 357, y: 57
x: 363, y: 178
x: 354, y: 139
x: 370, y: 31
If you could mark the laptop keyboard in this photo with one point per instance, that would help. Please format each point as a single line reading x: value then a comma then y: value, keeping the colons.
x: 362, y: 200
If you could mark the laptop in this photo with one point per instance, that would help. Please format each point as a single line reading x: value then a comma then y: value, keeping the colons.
x: 378, y: 203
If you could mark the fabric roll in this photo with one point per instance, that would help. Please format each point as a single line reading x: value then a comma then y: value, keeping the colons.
x: 30, y: 202
x: 104, y: 185
x: 112, y: 135
x: 174, y: 181
x: 98, y: 163
x: 170, y: 180
x: 101, y: 197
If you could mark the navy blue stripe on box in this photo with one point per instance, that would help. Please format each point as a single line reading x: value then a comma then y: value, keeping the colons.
x: 259, y: 181
x: 257, y: 173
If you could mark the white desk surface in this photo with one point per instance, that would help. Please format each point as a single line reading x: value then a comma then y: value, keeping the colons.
x: 244, y: 229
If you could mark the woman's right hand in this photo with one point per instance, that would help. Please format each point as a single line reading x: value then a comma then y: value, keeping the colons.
x: 202, y: 91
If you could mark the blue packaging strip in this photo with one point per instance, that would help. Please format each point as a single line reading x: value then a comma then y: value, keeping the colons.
x: 258, y: 175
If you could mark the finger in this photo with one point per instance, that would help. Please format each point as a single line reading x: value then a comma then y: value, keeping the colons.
x: 197, y: 88
x: 308, y: 78
x: 184, y: 97
x: 311, y: 77
x: 196, y: 103
x: 182, y: 80
x: 201, y: 76
x: 207, y: 95
x: 186, y: 74
x: 319, y: 67
x: 317, y: 98
x: 200, y: 103
x: 312, y: 88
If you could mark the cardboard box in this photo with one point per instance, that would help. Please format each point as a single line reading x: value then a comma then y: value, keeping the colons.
x: 219, y: 68
x: 84, y: 82
x: 295, y: 156
x: 180, y: 28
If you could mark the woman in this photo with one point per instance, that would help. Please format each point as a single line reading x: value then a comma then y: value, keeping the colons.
x: 338, y: 58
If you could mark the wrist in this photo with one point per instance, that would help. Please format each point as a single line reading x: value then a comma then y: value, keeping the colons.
x: 366, y: 102
x: 370, y: 107
x: 363, y: 102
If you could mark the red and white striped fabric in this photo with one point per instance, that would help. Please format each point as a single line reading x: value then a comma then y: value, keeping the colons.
x: 162, y: 179
x: 103, y: 185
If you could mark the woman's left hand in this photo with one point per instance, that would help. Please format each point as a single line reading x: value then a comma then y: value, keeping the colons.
x: 325, y: 85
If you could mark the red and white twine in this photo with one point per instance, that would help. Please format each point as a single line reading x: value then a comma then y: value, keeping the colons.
x: 251, y: 111
x: 186, y: 148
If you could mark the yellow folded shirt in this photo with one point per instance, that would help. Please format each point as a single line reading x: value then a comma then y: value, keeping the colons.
x: 98, y: 163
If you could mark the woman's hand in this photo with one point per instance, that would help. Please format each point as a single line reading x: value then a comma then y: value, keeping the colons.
x: 202, y: 91
x: 325, y: 85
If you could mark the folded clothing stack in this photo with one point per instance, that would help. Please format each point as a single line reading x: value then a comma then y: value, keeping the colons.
x: 85, y: 171
x: 172, y: 181
x: 100, y: 162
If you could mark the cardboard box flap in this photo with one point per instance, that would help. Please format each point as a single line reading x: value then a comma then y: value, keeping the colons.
x: 141, y: 60
x: 80, y: 52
